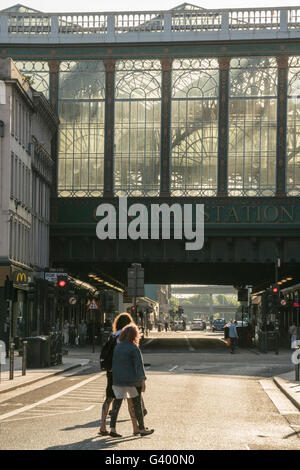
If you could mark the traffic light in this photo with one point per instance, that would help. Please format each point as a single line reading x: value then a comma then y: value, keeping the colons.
x: 275, y: 298
x: 243, y: 295
x: 271, y: 300
x: 132, y: 310
x: 110, y: 301
x: 51, y: 291
x: 62, y: 288
x: 31, y: 292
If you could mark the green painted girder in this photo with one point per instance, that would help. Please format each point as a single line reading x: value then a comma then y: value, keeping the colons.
x: 227, y: 213
x: 123, y: 51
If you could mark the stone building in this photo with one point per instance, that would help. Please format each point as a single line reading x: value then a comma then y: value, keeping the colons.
x: 28, y: 125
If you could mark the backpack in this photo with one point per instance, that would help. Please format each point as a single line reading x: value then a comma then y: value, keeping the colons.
x: 106, y: 354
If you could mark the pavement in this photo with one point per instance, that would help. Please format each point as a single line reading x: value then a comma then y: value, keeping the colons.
x: 78, y: 357
x: 289, y: 386
x: 70, y: 361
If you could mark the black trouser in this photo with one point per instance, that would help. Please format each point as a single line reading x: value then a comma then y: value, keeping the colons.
x: 137, y: 404
x: 233, y: 343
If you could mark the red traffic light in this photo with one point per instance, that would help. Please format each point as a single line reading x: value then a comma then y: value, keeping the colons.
x: 275, y: 290
x: 62, y: 283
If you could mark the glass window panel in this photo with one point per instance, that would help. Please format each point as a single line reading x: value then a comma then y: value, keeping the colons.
x: 37, y: 74
x: 137, y: 127
x: 252, y: 127
x: 81, y: 139
x: 293, y: 129
x: 253, y: 76
x: 194, y: 127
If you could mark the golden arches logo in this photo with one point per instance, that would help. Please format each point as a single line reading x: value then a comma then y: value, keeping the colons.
x: 21, y: 277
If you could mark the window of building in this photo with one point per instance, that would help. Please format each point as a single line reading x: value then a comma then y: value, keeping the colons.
x: 12, y: 175
x: 81, y: 135
x: 36, y: 73
x: 252, y: 126
x: 194, y: 127
x: 293, y: 129
x: 137, y: 127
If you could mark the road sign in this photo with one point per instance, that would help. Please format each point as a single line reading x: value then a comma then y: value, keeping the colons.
x: 72, y: 300
x: 52, y: 277
x: 135, y: 281
x: 93, y: 305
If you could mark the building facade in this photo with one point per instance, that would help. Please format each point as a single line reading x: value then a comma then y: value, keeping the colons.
x: 27, y: 168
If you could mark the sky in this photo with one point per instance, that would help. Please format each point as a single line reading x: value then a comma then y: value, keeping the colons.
x: 138, y: 5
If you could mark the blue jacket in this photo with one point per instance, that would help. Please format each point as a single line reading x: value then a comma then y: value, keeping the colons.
x: 127, y: 365
x: 232, y: 331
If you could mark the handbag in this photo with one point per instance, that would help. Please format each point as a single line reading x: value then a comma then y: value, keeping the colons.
x: 228, y: 342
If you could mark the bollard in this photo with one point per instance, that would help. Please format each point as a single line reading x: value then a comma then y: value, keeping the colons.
x: 297, y: 370
x: 24, y: 358
x: 11, y: 360
x: 297, y: 364
x: 2, y: 355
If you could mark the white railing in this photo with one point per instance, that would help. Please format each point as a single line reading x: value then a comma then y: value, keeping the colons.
x: 150, y: 26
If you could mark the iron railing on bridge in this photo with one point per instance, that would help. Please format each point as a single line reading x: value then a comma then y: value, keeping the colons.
x: 145, y: 26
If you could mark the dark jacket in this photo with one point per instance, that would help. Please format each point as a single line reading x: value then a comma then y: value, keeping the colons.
x: 127, y: 366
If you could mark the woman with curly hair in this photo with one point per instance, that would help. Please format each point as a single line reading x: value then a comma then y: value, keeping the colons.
x: 119, y: 323
x: 128, y: 377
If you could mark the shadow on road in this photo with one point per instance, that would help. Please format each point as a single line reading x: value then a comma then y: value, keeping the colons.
x: 95, y: 443
x: 92, y: 424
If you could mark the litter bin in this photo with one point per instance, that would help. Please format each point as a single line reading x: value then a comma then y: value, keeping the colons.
x: 55, y: 348
x: 272, y: 340
x: 38, y: 351
x: 242, y: 334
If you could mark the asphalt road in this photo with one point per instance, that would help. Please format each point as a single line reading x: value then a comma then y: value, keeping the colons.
x: 198, y: 396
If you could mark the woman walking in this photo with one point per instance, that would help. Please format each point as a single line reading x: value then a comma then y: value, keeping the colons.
x: 120, y: 322
x: 66, y: 332
x: 128, y: 378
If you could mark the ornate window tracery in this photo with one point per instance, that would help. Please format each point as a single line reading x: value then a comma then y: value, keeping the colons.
x: 137, y: 128
x: 81, y: 135
x: 293, y: 129
x: 37, y: 73
x: 252, y: 126
x: 194, y: 127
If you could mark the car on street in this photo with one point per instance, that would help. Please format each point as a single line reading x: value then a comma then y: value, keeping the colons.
x: 198, y: 324
x: 179, y: 326
x: 218, y: 324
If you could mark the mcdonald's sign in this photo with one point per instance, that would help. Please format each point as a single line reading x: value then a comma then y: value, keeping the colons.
x: 20, y: 277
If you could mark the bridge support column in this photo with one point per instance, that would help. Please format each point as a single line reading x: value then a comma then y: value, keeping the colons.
x: 53, y: 82
x: 165, y: 149
x: 53, y: 98
x: 282, y: 62
x: 110, y: 66
x: 211, y: 305
x: 224, y: 65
